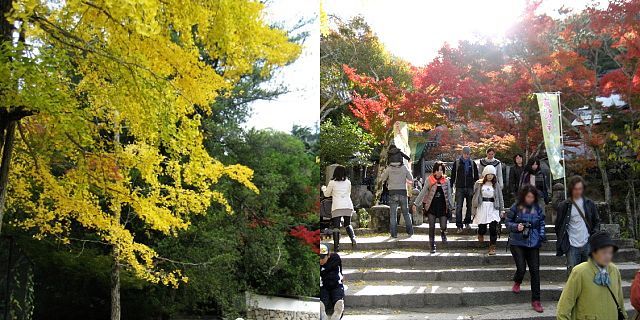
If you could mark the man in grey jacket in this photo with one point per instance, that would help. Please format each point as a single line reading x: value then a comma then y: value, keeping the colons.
x: 397, y: 176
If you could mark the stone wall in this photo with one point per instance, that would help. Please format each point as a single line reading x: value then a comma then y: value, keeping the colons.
x: 262, y: 314
x: 261, y: 307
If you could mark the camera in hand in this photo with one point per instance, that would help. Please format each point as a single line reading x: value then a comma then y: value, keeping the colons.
x: 526, y: 230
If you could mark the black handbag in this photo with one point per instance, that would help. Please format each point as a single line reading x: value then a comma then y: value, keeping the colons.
x: 620, y: 314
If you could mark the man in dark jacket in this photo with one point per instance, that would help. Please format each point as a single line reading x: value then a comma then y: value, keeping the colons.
x: 464, y: 175
x: 577, y: 220
x: 331, y: 287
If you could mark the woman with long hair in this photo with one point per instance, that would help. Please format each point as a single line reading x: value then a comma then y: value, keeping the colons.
x: 339, y: 189
x: 515, y: 173
x: 525, y: 222
x: 435, y: 201
x: 533, y: 175
x: 487, y: 206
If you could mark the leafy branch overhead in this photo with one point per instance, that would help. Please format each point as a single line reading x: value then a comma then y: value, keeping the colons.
x: 114, y: 91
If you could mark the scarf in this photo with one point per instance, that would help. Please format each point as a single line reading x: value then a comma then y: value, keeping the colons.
x: 485, y: 162
x: 433, y: 180
x: 602, y: 276
x: 467, y: 165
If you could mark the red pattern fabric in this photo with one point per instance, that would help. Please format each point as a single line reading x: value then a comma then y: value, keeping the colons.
x: 635, y: 292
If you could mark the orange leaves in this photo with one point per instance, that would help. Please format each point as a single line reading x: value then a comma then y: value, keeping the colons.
x: 380, y: 103
x: 105, y: 166
x: 620, y: 21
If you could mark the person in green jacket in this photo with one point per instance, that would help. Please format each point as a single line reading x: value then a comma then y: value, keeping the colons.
x: 594, y: 288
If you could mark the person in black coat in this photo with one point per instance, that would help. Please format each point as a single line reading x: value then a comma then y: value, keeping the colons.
x: 396, y: 155
x: 515, y: 173
x: 464, y: 175
x: 577, y: 220
x: 533, y: 175
x: 331, y: 286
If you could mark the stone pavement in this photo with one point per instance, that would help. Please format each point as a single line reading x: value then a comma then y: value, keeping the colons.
x: 399, y: 279
x: 489, y: 312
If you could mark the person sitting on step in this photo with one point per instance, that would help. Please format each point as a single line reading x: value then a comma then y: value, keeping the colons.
x: 488, y: 205
x: 525, y: 222
x: 331, y: 286
x: 435, y: 201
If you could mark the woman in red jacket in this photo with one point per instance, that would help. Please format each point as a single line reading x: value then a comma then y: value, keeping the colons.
x: 635, y: 295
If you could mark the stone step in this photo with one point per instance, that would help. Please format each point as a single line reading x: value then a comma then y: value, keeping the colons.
x: 494, y: 312
x: 418, y: 294
x: 492, y: 273
x: 450, y: 232
x: 424, y: 229
x: 421, y: 241
x: 422, y: 259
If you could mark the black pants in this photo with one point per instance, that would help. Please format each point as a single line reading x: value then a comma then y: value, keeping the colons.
x: 432, y: 225
x: 493, y: 231
x: 335, y: 222
x: 329, y: 296
x: 463, y: 194
x: 524, y: 256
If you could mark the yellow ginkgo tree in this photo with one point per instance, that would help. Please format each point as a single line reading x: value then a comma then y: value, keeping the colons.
x: 99, y: 116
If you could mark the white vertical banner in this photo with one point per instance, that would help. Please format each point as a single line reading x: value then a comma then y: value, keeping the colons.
x: 401, y: 139
x: 549, y: 105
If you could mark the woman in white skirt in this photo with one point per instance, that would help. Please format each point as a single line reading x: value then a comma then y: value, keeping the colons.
x: 339, y: 189
x: 487, y: 206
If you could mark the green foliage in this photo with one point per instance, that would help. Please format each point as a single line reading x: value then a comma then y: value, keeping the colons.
x: 345, y: 143
x: 251, y: 250
x: 310, y: 137
x: 353, y: 43
x: 363, y: 218
x: 222, y: 255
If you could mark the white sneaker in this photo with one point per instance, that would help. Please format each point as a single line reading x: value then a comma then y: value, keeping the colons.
x: 323, y: 313
x: 338, y: 309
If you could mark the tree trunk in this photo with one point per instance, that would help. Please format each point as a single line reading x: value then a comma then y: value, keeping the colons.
x: 5, y: 163
x: 115, y: 287
x: 6, y: 28
x: 384, y: 153
x: 630, y: 218
x: 605, y: 182
x: 634, y: 209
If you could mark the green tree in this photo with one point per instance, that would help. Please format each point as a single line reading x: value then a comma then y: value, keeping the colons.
x: 252, y: 248
x: 355, y: 44
x: 344, y: 143
x: 100, y: 118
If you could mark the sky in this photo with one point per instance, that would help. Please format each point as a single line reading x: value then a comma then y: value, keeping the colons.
x: 300, y: 105
x: 411, y: 29
x: 415, y: 29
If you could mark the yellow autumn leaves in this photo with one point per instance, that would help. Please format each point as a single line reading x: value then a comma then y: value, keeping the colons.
x: 115, y: 136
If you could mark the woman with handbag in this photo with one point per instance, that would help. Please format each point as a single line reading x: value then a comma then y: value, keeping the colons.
x: 594, y: 288
x: 435, y: 202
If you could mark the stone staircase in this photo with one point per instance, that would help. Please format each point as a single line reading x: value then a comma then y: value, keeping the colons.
x: 399, y: 279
